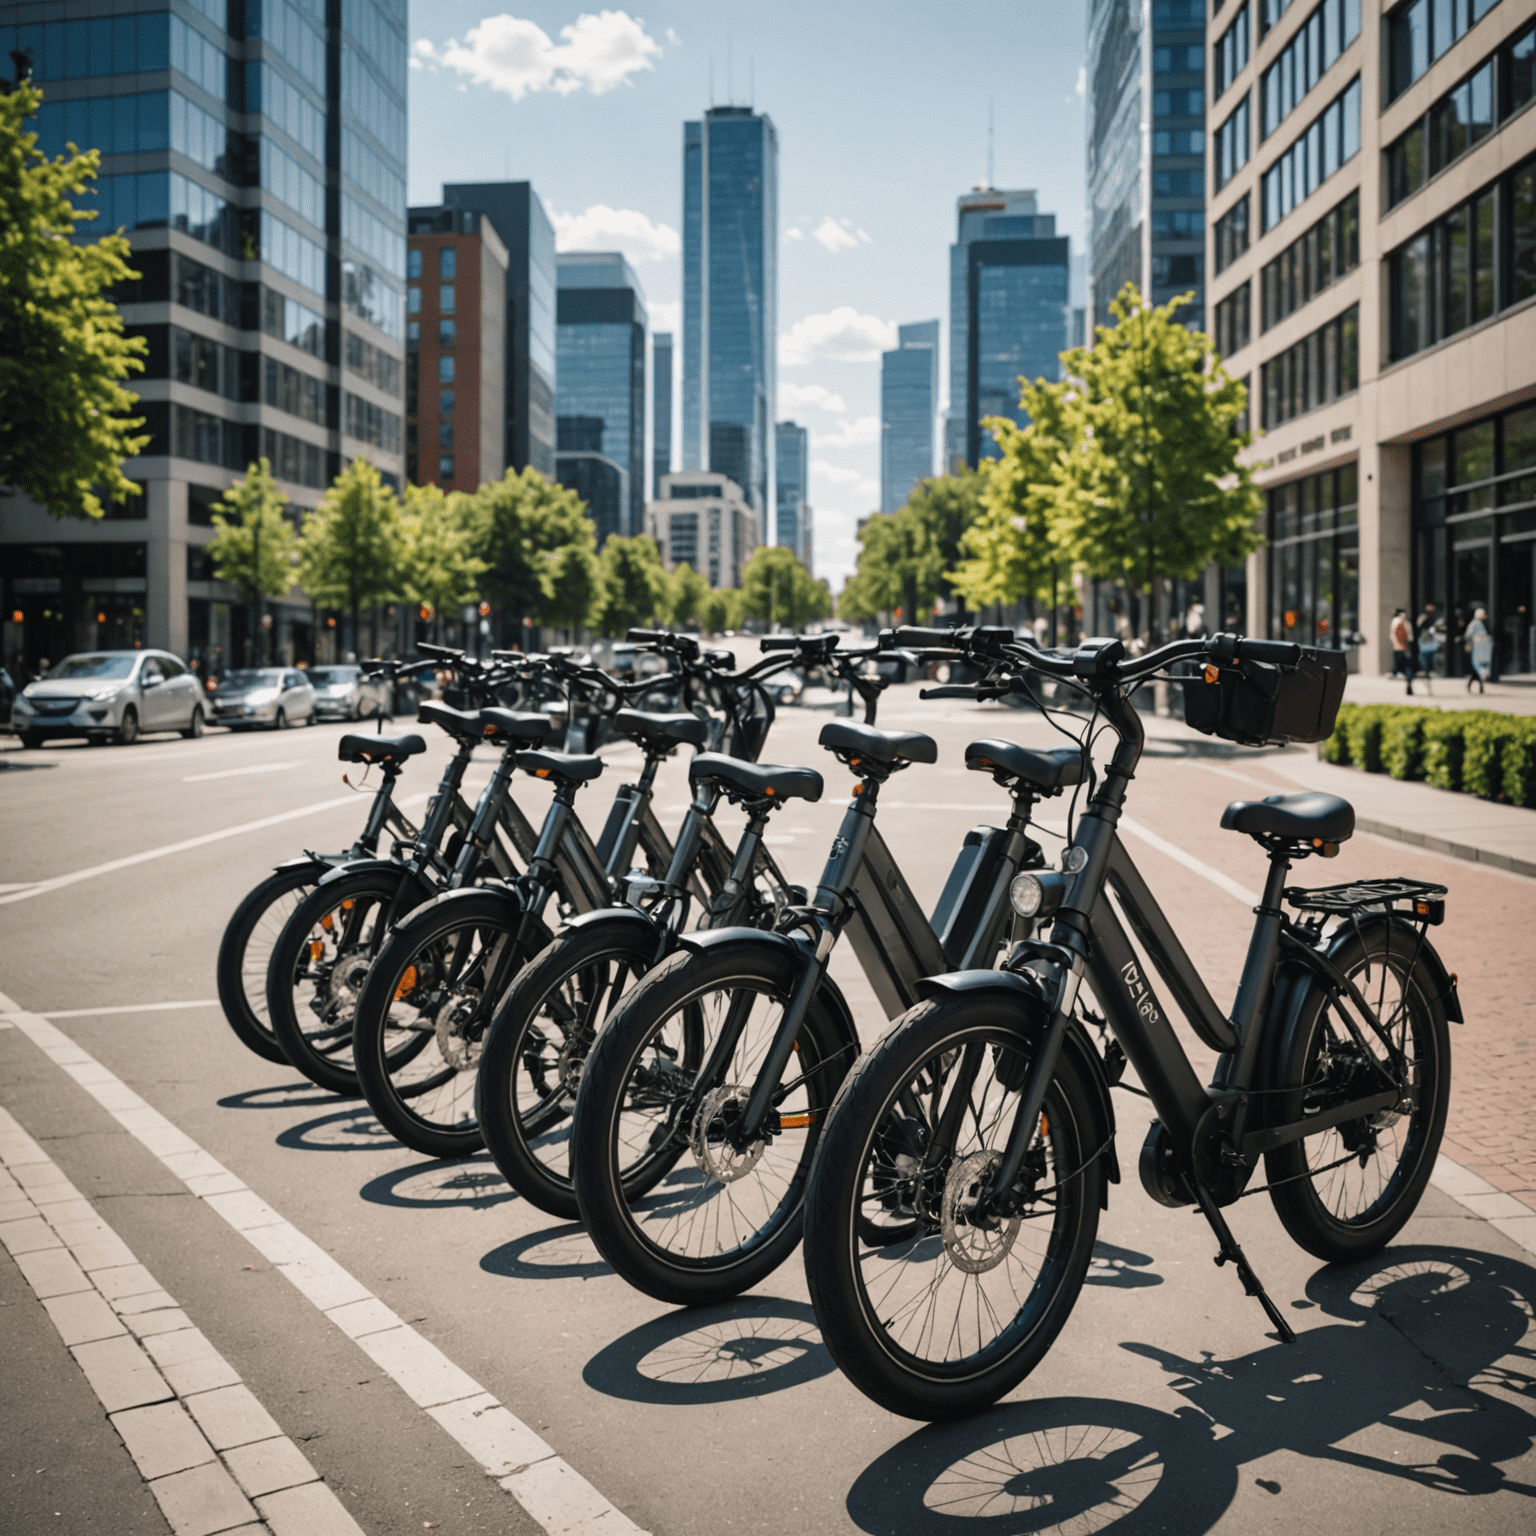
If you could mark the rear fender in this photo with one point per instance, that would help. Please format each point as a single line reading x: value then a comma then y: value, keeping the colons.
x: 1034, y: 1017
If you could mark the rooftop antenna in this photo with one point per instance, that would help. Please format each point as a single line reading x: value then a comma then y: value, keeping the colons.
x: 990, y: 181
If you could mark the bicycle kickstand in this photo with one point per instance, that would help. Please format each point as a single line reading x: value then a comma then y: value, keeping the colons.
x: 1231, y: 1252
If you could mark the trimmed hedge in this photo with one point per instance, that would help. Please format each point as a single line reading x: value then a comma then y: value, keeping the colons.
x: 1475, y: 751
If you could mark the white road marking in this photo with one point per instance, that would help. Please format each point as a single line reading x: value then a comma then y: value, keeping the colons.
x: 174, y: 1400
x: 235, y: 773
x: 89, y: 1013
x: 20, y: 885
x: 552, y: 1491
x: 1189, y: 861
x: 60, y: 881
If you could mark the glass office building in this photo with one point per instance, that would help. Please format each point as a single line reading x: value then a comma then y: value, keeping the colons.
x: 909, y: 403
x: 792, y: 474
x: 661, y: 408
x: 518, y: 215
x: 255, y: 157
x: 730, y: 299
x: 600, y: 398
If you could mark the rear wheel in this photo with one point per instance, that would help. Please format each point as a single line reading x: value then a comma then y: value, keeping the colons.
x: 437, y: 980
x: 194, y: 727
x: 31, y: 740
x: 246, y: 950
x: 1353, y: 1186
x: 934, y: 1302
x: 128, y: 727
x: 536, y: 1051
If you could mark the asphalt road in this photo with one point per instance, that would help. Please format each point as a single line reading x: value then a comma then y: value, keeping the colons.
x: 1409, y: 1401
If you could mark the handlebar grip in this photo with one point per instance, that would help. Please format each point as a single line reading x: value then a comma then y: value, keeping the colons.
x: 948, y: 691
x: 911, y: 635
x: 1284, y: 653
x: 779, y: 642
x: 645, y: 636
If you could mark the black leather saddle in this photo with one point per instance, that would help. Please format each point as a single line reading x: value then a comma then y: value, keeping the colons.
x: 508, y: 725
x: 1310, y: 817
x: 1051, y: 770
x: 853, y: 741
x: 755, y: 781
x: 463, y: 723
x: 354, y: 747
x: 661, y: 733
x: 572, y: 767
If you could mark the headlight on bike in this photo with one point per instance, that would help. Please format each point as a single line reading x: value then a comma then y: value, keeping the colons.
x: 1027, y: 895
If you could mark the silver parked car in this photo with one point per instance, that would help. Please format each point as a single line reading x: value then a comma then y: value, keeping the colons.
x: 274, y: 697
x: 110, y: 695
x: 343, y: 693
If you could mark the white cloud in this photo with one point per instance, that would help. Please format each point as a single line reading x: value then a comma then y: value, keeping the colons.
x: 794, y: 398
x: 851, y: 479
x: 667, y: 316
x: 851, y: 434
x: 794, y: 234
x: 673, y: 38
x: 841, y: 335
x: 515, y: 55
x: 1081, y: 88
x: 601, y: 228
x: 833, y: 236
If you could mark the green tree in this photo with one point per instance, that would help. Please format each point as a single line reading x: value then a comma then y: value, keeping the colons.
x: 254, y: 546
x: 687, y: 592
x: 721, y: 610
x: 1150, y: 485
x: 64, y: 431
x: 353, y: 545
x: 633, y: 584
x: 441, y: 566
x: 777, y: 588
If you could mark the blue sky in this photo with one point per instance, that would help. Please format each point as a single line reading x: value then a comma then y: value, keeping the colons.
x: 881, y: 111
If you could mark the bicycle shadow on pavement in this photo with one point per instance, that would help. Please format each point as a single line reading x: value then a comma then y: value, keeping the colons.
x: 1442, y: 1413
x: 279, y: 1096
x: 1122, y: 1268
x: 348, y: 1130
x: 470, y: 1183
x: 745, y: 1348
x: 556, y: 1253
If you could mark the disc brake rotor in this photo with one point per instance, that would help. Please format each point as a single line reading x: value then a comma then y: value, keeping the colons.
x: 347, y: 978
x: 984, y: 1245
x: 570, y: 1062
x: 462, y: 1054
x: 712, y: 1150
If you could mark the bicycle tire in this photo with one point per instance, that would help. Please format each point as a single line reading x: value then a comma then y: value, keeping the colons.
x: 1395, y: 1153
x: 535, y: 1050
x: 637, y: 1211
x: 426, y: 1100
x: 242, y: 975
x: 871, y: 1305
x: 320, y: 1045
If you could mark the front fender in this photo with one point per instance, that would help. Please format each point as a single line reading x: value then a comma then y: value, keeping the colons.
x: 317, y: 864
x: 626, y: 918
x: 361, y: 867
x: 1034, y: 1018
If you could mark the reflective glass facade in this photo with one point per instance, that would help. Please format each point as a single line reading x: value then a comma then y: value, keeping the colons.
x: 909, y: 401
x: 793, y: 474
x: 661, y: 409
x: 730, y: 298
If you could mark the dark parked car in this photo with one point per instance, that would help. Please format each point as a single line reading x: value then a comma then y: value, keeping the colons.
x: 7, y: 695
x: 343, y: 693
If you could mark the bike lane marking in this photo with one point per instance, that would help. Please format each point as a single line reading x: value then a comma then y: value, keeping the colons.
x: 235, y: 773
x: 551, y: 1491
x: 201, y: 1440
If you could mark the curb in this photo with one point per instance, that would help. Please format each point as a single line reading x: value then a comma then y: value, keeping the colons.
x: 1465, y: 851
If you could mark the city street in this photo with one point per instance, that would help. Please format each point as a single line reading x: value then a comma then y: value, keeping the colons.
x: 205, y: 1257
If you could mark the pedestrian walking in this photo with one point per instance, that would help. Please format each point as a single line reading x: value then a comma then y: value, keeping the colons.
x: 1478, y: 640
x: 1430, y: 634
x: 1401, y: 635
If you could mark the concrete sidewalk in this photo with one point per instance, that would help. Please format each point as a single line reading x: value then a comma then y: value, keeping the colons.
x: 1518, y: 698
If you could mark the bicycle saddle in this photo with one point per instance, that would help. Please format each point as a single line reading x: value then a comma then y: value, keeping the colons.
x: 1052, y: 770
x: 573, y: 767
x: 508, y: 725
x: 354, y: 747
x: 848, y: 736
x: 457, y: 722
x: 661, y: 731
x: 1308, y: 817
x: 757, y: 781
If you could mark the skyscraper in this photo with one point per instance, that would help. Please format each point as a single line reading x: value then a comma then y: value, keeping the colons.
x: 1146, y: 185
x: 255, y: 156
x: 909, y: 401
x: 792, y: 473
x: 661, y: 408
x: 1010, y: 313
x: 730, y: 299
x: 600, y: 395
x: 514, y: 208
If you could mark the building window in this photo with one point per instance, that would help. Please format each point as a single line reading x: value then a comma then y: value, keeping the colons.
x: 447, y: 332
x: 1318, y: 370
x: 1312, y: 51
x: 1178, y: 183
x: 206, y: 439
x: 1270, y: 12
x: 1502, y: 85
x: 1458, y: 272
x: 302, y: 463
x: 1232, y: 234
x: 445, y: 434
x: 1332, y: 140
x: 413, y: 333
x: 372, y: 424
x: 413, y: 301
x: 1189, y: 103
x: 1314, y: 558
x: 1229, y: 145
x: 445, y: 370
x: 1313, y: 263
x: 1178, y: 141
x: 1179, y: 223
x: 1229, y: 54
x: 1173, y: 61
x: 445, y: 402
x: 448, y: 263
x: 445, y: 299
x: 1419, y: 32
x: 445, y: 466
x: 1233, y: 321
x: 413, y: 265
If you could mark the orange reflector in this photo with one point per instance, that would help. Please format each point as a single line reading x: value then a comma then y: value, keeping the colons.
x: 797, y: 1122
x: 407, y: 982
x: 1211, y: 674
x: 328, y: 922
x: 768, y: 790
x: 348, y: 904
x: 541, y: 773
x: 316, y: 948
x: 858, y: 789
x: 490, y: 730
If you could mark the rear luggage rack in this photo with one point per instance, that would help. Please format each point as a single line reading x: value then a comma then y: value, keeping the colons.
x: 1424, y: 900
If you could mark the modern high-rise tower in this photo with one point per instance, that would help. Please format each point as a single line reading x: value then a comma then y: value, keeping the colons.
x: 730, y: 299
x: 909, y: 401
x: 792, y: 472
x: 661, y: 408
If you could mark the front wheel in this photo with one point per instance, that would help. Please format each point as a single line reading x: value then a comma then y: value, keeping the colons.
x: 194, y: 727
x: 1344, y: 1193
x: 437, y: 981
x: 128, y: 728
x: 246, y: 950
x: 676, y: 1199
x: 280, y: 720
x: 933, y: 1298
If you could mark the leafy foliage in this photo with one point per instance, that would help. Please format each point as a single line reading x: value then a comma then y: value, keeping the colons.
x: 254, y: 547
x: 633, y: 585
x: 777, y: 588
x: 352, y: 551
x: 441, y: 567
x: 64, y: 431
x: 687, y: 592
x: 721, y: 610
x: 540, y: 551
